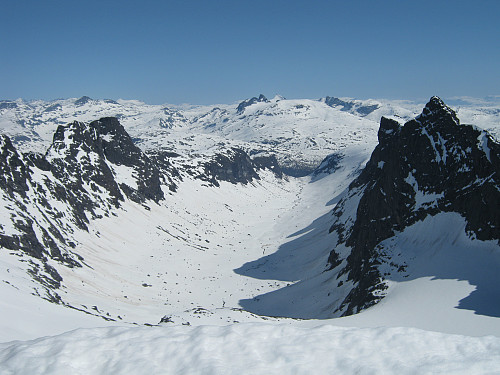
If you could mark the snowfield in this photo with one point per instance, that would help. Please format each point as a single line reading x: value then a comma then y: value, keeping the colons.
x: 252, y: 349
x: 229, y: 279
x: 221, y: 339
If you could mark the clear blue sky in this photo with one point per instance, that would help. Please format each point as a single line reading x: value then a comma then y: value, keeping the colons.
x: 210, y: 51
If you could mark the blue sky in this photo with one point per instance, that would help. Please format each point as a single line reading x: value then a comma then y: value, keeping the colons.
x: 207, y: 52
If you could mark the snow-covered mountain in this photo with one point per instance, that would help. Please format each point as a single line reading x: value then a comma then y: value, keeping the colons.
x: 430, y: 167
x: 429, y: 193
x: 299, y: 132
x: 51, y: 203
x: 260, y: 211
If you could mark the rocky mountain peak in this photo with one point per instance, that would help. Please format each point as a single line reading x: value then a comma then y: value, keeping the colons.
x: 436, y: 112
x: 69, y: 139
x: 118, y: 147
x: 246, y: 103
x: 83, y: 100
x: 430, y: 165
x: 388, y: 130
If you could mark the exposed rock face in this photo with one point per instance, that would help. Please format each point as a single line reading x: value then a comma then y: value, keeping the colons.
x: 98, y: 164
x: 235, y: 166
x: 86, y: 172
x: 118, y: 149
x: 13, y: 172
x: 268, y: 162
x: 168, y: 173
x: 246, y: 103
x: 329, y: 165
x: 76, y: 159
x: 431, y: 164
x: 14, y: 178
x: 350, y: 106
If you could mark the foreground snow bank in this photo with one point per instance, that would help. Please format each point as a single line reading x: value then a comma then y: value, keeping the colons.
x: 251, y: 348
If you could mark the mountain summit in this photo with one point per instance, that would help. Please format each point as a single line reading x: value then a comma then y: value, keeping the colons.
x: 431, y: 165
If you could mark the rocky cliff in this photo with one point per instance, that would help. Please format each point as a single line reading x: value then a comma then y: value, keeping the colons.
x: 429, y: 165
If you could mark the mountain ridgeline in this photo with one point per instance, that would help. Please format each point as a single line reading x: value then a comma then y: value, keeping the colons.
x: 432, y: 164
x: 87, y: 173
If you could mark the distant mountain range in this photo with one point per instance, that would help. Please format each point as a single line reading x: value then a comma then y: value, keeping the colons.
x: 300, y: 133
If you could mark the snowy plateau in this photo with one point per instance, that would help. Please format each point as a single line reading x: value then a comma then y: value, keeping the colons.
x: 267, y: 236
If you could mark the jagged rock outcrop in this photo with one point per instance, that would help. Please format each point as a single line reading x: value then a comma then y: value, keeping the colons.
x: 432, y: 164
x: 168, y: 173
x: 86, y: 173
x: 233, y: 166
x: 236, y: 166
x: 119, y: 149
x: 98, y: 164
x: 262, y: 162
x: 13, y: 172
x: 76, y: 159
x: 350, y: 106
x: 246, y: 103
x: 329, y: 165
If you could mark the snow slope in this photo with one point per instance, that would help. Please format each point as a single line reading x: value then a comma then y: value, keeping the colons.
x: 252, y: 349
x: 194, y: 259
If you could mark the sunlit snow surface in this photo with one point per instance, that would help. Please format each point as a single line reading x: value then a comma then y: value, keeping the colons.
x: 384, y: 340
x: 204, y: 252
x: 252, y: 349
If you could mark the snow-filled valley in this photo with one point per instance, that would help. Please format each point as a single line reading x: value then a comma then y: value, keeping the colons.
x: 250, y: 275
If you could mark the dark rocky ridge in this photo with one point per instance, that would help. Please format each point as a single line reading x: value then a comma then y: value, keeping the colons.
x: 455, y: 168
x: 268, y: 162
x: 246, y: 103
x: 13, y: 172
x: 83, y: 156
x: 236, y: 166
x: 329, y: 165
x: 350, y: 106
x: 119, y: 149
x: 168, y: 173
x: 77, y: 170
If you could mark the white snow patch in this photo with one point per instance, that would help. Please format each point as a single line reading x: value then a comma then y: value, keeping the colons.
x: 483, y: 143
x: 422, y: 198
x: 124, y: 175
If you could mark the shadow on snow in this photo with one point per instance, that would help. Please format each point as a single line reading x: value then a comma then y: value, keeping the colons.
x: 438, y: 247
